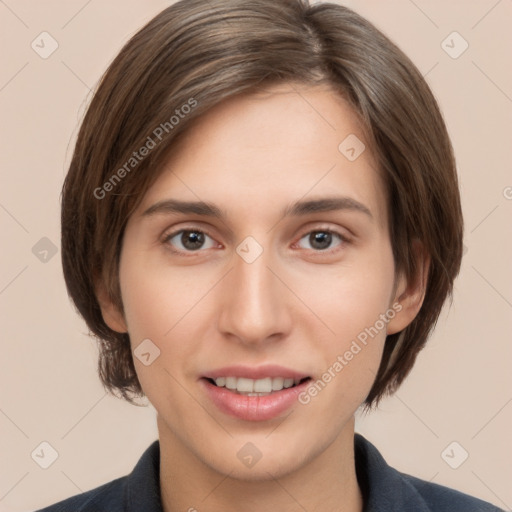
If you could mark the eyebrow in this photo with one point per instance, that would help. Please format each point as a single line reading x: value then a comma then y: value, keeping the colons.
x: 296, y: 209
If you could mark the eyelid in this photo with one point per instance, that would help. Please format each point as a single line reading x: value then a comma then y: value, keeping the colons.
x: 342, y: 233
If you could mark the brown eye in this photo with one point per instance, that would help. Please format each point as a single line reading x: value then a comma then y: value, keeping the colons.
x: 321, y: 240
x: 189, y: 240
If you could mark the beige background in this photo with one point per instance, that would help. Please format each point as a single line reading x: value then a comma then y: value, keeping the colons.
x: 461, y: 388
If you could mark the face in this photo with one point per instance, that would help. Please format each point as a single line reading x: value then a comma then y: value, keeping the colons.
x: 269, y: 285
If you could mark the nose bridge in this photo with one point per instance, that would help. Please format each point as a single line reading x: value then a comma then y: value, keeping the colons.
x: 254, y: 306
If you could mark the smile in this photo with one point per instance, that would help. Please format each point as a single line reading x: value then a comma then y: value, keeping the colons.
x: 254, y: 393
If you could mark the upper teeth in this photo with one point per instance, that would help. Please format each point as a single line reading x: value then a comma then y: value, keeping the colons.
x: 265, y: 385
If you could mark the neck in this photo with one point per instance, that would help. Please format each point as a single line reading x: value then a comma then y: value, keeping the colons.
x: 327, y: 482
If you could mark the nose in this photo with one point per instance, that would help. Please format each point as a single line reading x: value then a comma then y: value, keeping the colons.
x: 254, y: 304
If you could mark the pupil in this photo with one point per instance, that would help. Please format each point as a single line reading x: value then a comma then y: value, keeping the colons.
x: 320, y: 240
x: 192, y: 239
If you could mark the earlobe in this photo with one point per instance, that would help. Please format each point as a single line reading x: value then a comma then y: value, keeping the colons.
x: 110, y: 312
x: 411, y: 293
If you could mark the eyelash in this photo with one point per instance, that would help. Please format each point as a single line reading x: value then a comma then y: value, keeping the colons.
x: 344, y: 240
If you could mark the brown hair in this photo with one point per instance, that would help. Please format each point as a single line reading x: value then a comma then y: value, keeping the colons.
x: 197, y: 53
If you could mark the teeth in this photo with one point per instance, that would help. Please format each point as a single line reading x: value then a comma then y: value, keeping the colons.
x: 245, y: 385
x: 277, y: 383
x: 255, y: 387
x: 230, y: 382
x: 263, y: 385
x: 288, y: 383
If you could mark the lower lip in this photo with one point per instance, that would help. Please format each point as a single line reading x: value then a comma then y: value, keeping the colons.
x: 253, y: 408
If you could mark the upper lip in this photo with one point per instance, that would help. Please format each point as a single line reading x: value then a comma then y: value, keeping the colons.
x: 255, y: 372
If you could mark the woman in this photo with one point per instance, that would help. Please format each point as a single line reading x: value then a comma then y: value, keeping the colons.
x: 261, y: 223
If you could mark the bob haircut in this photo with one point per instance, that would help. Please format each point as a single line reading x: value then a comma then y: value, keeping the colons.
x: 196, y: 54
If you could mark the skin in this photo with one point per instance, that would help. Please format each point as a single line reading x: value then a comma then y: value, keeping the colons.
x: 296, y: 305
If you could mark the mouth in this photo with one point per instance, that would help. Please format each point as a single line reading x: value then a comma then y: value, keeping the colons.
x: 254, y: 394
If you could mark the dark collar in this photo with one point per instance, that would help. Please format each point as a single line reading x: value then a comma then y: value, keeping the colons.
x: 383, y: 487
x: 142, y: 490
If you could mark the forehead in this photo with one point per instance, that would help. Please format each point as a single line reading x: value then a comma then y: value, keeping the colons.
x: 257, y: 152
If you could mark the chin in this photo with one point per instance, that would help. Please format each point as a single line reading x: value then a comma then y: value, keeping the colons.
x: 266, y: 468
x: 260, y: 458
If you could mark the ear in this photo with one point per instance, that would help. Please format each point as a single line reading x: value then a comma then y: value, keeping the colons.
x: 110, y: 312
x: 410, y: 293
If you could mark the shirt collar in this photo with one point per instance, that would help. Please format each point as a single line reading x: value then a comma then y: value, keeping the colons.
x: 142, y: 490
x: 383, y: 487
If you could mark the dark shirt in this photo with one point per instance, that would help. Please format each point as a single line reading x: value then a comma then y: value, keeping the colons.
x: 384, y: 489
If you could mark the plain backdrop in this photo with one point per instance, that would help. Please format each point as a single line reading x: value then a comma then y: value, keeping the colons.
x: 457, y: 403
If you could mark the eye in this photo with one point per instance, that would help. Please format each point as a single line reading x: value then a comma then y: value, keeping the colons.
x: 189, y: 240
x: 321, y: 239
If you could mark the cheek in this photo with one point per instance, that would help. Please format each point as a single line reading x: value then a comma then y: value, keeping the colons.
x: 354, y: 302
x: 156, y: 298
x: 157, y: 312
x: 165, y: 306
x: 350, y: 297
